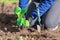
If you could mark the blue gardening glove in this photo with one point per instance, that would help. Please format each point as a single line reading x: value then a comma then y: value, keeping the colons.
x: 24, y: 3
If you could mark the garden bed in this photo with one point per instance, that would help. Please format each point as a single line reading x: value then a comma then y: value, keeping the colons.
x: 8, y: 31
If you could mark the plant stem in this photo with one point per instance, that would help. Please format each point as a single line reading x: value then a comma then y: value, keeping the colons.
x: 22, y: 27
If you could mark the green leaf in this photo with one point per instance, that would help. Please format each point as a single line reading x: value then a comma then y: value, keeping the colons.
x: 19, y: 15
x: 17, y: 10
x: 20, y: 38
x: 24, y: 10
x: 26, y: 23
x: 20, y: 21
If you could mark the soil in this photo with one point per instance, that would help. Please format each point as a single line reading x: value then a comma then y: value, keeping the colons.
x: 8, y: 31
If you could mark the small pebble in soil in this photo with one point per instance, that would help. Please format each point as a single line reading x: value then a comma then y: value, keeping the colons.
x: 13, y: 25
x: 5, y: 29
x: 38, y: 28
x: 32, y: 38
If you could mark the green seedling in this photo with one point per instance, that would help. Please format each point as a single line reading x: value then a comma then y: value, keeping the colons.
x: 20, y: 19
x: 20, y: 38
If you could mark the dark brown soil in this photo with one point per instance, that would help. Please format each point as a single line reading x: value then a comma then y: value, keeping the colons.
x: 11, y: 31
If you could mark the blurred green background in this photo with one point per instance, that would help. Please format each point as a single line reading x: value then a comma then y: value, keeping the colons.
x: 12, y: 1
